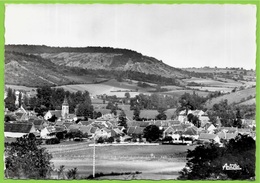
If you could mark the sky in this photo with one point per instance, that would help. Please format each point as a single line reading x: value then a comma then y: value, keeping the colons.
x: 180, y: 35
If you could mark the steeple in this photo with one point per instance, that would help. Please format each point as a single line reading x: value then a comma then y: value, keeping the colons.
x: 65, y: 102
x: 65, y: 108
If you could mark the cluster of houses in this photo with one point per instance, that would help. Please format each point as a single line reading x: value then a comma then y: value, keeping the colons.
x: 27, y: 122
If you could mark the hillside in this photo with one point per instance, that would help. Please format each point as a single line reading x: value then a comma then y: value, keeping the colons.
x: 235, y: 97
x: 67, y: 62
x: 22, y: 69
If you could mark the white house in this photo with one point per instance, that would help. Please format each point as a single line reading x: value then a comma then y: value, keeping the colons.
x: 48, y: 132
x: 104, y: 133
x: 50, y: 113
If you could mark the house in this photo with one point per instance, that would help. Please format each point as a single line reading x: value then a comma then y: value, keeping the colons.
x: 168, y: 132
x: 204, y: 119
x: 104, y: 133
x: 39, y: 123
x: 197, y: 113
x: 62, y: 114
x: 173, y: 122
x: 135, y: 130
x: 16, y: 129
x: 228, y: 129
x: 209, y: 127
x: 51, y: 113
x: 85, y: 129
x: 227, y: 136
x: 207, y: 137
x: 48, y: 132
x: 23, y: 115
x: 85, y: 123
x: 191, y: 132
x: 73, y: 127
x: 115, y: 132
x: 182, y: 117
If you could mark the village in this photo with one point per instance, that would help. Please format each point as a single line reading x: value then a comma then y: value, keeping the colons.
x: 59, y: 125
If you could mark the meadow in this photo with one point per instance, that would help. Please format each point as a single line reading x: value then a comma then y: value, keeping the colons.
x: 154, y: 161
x: 234, y: 97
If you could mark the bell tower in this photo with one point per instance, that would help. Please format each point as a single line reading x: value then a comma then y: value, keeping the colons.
x: 65, y: 108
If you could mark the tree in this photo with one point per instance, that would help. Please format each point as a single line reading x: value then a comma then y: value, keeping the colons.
x: 122, y: 119
x: 75, y: 134
x: 127, y: 95
x: 238, y: 121
x: 136, y: 114
x: 192, y: 102
x: 110, y: 105
x: 113, y: 111
x: 53, y: 118
x: 152, y: 133
x: 194, y: 120
x: 207, y: 161
x: 20, y: 99
x: 26, y: 159
x: 72, y: 173
x: 85, y: 109
x: 44, y: 96
x: 10, y: 100
x: 225, y: 113
x: 161, y: 115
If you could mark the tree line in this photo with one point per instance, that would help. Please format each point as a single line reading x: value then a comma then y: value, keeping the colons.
x: 48, y: 98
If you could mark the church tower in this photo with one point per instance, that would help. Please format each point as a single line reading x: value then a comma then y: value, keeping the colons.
x: 65, y: 108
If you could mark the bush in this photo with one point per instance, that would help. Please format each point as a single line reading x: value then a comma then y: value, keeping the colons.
x: 100, y: 140
x: 52, y: 141
x: 72, y: 173
x: 110, y: 140
x: 167, y: 138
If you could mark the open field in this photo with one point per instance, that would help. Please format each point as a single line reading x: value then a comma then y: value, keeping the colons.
x: 212, y: 89
x: 233, y: 97
x: 248, y: 102
x: 158, y: 162
x: 178, y: 93
x: 98, y: 89
x: 18, y: 87
x: 215, y: 83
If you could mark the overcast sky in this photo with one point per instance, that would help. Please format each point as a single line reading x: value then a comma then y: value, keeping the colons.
x: 179, y: 35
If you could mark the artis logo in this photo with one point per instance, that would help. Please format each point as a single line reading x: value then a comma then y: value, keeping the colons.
x: 231, y: 167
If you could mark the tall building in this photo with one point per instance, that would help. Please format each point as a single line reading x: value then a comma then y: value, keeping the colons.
x: 65, y: 109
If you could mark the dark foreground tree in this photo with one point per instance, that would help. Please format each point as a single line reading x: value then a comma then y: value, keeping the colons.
x: 25, y: 159
x: 209, y: 161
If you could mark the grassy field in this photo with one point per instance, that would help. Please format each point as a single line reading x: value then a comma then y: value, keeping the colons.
x: 248, y: 102
x: 221, y: 82
x: 17, y: 87
x: 98, y: 89
x: 178, y: 93
x: 212, y: 89
x: 233, y: 97
x: 160, y: 162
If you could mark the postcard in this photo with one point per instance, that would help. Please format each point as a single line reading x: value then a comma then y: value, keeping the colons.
x: 130, y: 91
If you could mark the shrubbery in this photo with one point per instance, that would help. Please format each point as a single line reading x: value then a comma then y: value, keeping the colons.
x: 52, y: 141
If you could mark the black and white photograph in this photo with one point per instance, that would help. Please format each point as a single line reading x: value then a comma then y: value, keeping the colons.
x: 130, y: 91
